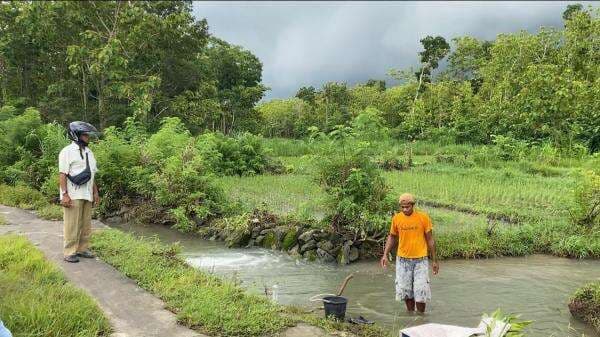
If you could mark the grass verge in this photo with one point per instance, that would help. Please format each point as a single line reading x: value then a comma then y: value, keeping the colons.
x: 585, y: 304
x: 201, y: 300
x: 36, y: 300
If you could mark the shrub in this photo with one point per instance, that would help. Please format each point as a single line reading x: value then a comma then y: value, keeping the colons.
x: 357, y: 194
x: 586, y: 210
x: 29, y: 149
x: 122, y: 173
x: 21, y: 196
x: 240, y: 155
x: 510, y: 148
x: 585, y: 304
x: 370, y: 125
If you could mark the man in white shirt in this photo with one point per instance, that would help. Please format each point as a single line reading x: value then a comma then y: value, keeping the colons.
x: 77, y: 167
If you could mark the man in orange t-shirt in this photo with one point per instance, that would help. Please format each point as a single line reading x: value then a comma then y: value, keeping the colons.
x: 411, y: 230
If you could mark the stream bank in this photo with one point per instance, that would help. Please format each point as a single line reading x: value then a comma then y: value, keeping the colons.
x: 537, y: 286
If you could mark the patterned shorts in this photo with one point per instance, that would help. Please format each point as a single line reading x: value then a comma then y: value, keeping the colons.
x: 412, y: 279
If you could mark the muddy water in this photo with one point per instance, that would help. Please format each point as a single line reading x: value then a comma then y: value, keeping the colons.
x: 537, y: 287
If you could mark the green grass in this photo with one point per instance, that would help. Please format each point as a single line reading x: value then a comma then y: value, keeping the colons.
x: 586, y: 304
x: 201, y: 300
x: 36, y: 300
x: 491, y: 192
x: 22, y: 196
x: 282, y: 194
x: 28, y: 198
x: 50, y: 212
x: 488, y: 191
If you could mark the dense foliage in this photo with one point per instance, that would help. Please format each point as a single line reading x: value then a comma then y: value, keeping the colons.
x: 170, y: 171
x: 102, y: 61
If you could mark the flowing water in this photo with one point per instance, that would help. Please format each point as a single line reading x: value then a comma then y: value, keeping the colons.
x: 536, y: 287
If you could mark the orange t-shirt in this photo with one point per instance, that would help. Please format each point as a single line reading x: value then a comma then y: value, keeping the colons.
x: 411, y: 233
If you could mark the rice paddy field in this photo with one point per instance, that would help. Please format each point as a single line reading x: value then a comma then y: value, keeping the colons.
x: 507, y: 195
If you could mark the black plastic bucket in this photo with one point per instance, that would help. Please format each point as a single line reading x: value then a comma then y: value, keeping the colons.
x: 335, y: 306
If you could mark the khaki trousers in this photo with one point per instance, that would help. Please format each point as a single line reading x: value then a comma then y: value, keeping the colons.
x: 77, y: 226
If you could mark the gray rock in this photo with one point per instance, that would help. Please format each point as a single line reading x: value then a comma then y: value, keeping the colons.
x: 324, y: 256
x: 294, y: 251
x: 237, y: 239
x: 310, y: 255
x: 312, y: 244
x: 325, y: 245
x: 353, y: 254
x: 259, y: 240
x: 306, y: 236
x: 256, y: 231
x: 265, y: 231
x: 343, y: 257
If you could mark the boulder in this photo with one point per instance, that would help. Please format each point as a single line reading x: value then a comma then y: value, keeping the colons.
x: 259, y: 239
x: 269, y: 241
x: 295, y: 251
x: 265, y: 231
x: 312, y: 244
x: 237, y: 238
x: 325, y: 245
x: 310, y: 255
x: 256, y: 231
x: 306, y: 236
x: 353, y: 254
x: 289, y: 239
x: 343, y: 256
x: 324, y: 255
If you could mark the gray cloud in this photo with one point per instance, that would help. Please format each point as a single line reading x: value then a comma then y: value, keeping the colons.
x: 312, y: 43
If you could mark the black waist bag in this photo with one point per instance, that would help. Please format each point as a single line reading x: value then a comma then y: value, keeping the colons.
x: 84, y: 176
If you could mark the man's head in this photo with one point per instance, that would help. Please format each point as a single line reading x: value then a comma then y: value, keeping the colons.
x: 80, y: 132
x: 407, y: 203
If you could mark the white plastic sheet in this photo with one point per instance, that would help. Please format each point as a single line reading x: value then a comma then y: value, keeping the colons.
x: 488, y: 327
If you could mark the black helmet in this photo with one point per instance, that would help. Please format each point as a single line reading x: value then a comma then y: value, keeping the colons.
x: 79, y: 128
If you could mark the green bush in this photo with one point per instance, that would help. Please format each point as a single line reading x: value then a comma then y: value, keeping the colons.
x: 370, y: 125
x: 358, y: 198
x: 29, y: 149
x: 585, y: 304
x: 167, y: 172
x: 22, y: 196
x: 586, y: 211
x: 243, y: 154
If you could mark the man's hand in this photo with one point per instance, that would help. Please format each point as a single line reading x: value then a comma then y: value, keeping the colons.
x: 66, y: 201
x: 96, y: 199
x: 384, y: 261
x: 436, y: 267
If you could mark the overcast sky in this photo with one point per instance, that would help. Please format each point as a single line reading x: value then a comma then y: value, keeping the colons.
x: 310, y: 43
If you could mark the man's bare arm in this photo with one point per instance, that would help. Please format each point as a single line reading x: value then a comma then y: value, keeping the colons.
x: 391, y: 242
x: 65, y: 199
x: 431, y: 250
